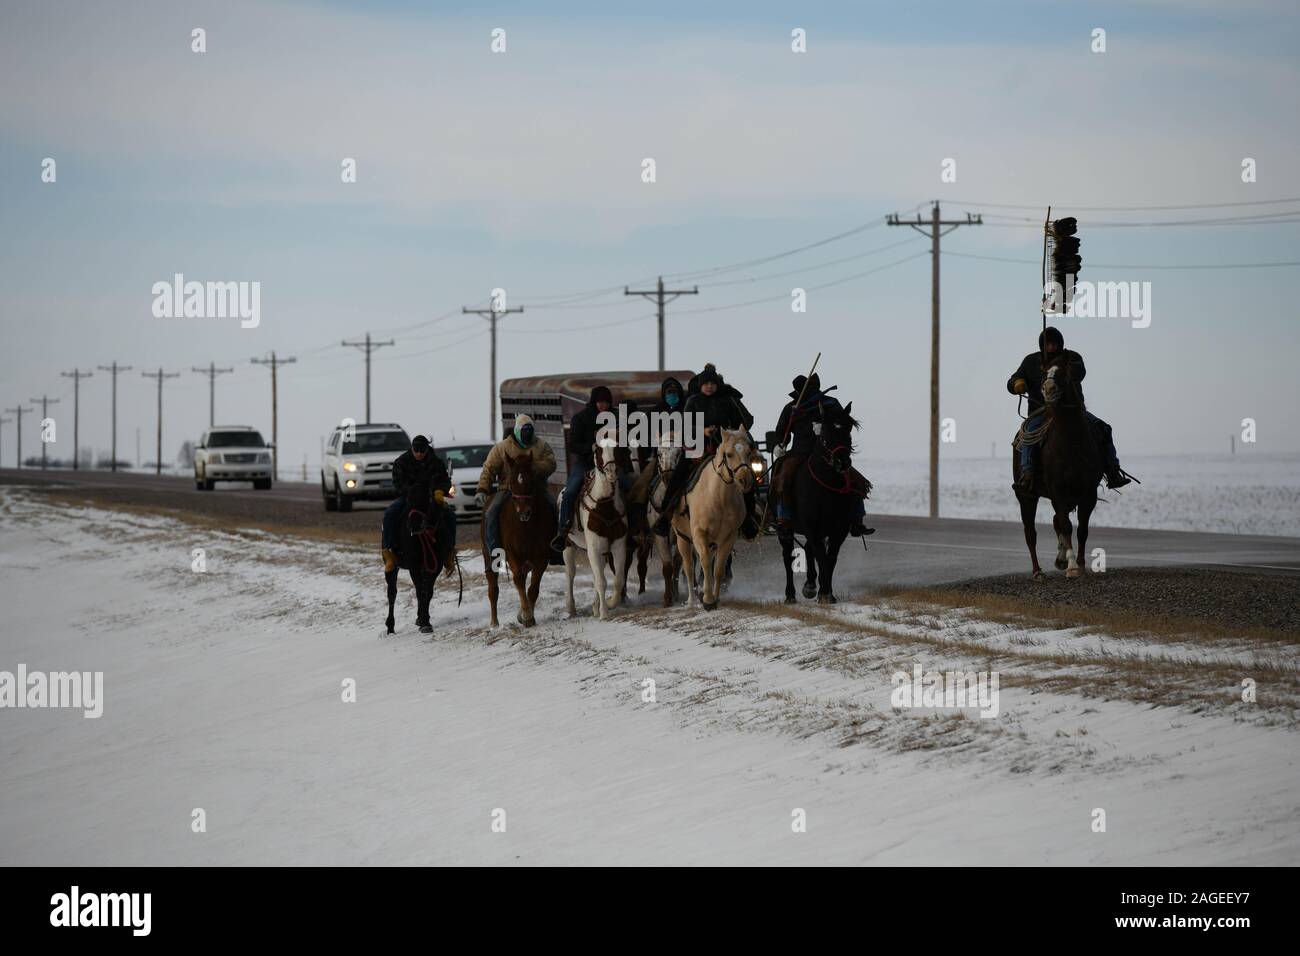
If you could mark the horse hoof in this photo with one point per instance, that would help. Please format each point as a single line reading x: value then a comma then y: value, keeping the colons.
x: 426, y: 628
x: 1039, y: 576
x: 1061, y: 564
x: 809, y: 590
x: 826, y: 599
x: 1073, y: 573
x: 390, y: 629
x: 710, y: 605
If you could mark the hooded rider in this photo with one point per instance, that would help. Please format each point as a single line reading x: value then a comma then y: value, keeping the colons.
x: 799, y: 419
x: 719, y: 406
x: 522, y: 442
x: 418, y: 466
x: 1027, y: 380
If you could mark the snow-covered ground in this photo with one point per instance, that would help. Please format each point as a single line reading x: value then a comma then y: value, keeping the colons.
x: 223, y: 690
x: 1246, y: 493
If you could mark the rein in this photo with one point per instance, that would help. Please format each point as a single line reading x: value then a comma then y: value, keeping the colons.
x: 847, y: 488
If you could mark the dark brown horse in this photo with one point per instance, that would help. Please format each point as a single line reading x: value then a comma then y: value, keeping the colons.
x: 1069, y: 470
x: 528, y: 523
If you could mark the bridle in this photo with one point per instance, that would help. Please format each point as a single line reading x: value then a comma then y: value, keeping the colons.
x: 720, y: 462
x: 610, y: 469
x: 521, y: 498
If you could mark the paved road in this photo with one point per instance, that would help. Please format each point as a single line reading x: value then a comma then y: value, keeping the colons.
x: 905, y: 550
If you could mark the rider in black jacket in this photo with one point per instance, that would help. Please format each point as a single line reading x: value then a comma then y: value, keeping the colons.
x: 414, y: 468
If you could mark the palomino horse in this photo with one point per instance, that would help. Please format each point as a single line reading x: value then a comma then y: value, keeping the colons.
x: 1069, y: 470
x: 526, y: 532
x: 825, y: 490
x: 421, y: 552
x: 600, y: 529
x: 660, y: 471
x: 711, y: 513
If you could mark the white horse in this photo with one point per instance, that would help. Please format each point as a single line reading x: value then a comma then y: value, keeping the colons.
x: 667, y: 455
x: 600, y: 529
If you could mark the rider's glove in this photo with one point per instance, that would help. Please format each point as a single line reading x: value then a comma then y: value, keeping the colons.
x: 1018, y: 386
x: 438, y: 496
x: 480, y: 500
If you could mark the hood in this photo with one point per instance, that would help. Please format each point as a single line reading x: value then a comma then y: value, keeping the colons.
x: 600, y: 393
x: 669, y: 384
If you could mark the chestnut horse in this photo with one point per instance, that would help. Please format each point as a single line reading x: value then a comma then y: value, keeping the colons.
x: 528, y: 522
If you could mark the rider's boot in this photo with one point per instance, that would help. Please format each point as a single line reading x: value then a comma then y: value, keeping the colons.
x: 390, y: 560
x: 1026, y: 480
x: 1116, y: 478
x: 749, y: 527
x: 858, y: 529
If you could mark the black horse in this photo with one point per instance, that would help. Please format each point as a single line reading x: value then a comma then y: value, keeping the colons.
x: 824, y: 491
x: 1070, y: 469
x: 424, y: 546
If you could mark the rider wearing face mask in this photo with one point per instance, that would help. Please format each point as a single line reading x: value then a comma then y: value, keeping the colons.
x: 522, y: 442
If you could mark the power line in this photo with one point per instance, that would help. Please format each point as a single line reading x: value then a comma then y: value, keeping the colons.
x: 1204, y: 205
x: 780, y: 255
x: 368, y: 347
x: 1129, y: 265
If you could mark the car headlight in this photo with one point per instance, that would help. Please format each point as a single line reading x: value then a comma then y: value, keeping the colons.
x: 264, y: 458
x: 214, y: 458
x: 451, y: 492
x: 757, y: 466
x: 351, y: 482
x: 349, y: 466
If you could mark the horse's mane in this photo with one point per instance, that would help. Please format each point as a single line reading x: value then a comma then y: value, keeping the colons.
x: 842, y: 413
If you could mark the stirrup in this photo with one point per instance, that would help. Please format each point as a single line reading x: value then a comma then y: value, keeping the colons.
x: 390, y: 559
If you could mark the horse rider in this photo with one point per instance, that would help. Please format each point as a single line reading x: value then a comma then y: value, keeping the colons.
x: 522, y: 442
x: 719, y: 406
x: 413, y: 468
x: 582, y: 437
x: 1027, y: 380
x: 800, y: 419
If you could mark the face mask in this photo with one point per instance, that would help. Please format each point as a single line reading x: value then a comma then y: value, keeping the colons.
x: 672, y: 398
x: 524, y: 435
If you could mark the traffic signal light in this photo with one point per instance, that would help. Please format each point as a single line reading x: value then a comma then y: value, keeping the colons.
x: 1066, y: 261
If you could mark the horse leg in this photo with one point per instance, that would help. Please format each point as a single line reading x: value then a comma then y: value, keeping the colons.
x: 832, y: 554
x: 535, y: 587
x: 622, y: 560
x: 1028, y: 516
x: 1066, y: 535
x: 1085, y: 512
x: 390, y: 578
x: 666, y: 557
x: 596, y: 558
x: 709, y: 590
x: 816, y: 555
x: 519, y: 576
x: 423, y: 582
x: 720, y: 567
x: 687, y: 551
x: 494, y: 588
x: 643, y: 546
x: 787, y: 557
x: 570, y: 569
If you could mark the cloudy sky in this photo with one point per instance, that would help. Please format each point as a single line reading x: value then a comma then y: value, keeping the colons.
x: 522, y: 170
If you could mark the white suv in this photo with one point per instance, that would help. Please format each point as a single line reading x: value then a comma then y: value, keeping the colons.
x: 232, y: 453
x: 359, y: 464
x: 464, y: 461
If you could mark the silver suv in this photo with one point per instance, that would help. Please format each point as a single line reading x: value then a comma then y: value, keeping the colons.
x: 358, y: 464
x: 232, y: 453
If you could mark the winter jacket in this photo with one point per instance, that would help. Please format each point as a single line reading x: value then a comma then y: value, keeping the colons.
x: 1031, y: 370
x: 798, y: 421
x: 505, y: 452
x: 722, y: 409
x: 409, y: 473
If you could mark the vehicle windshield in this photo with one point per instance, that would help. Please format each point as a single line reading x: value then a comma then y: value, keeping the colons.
x: 368, y: 442
x: 464, y: 456
x: 236, y: 440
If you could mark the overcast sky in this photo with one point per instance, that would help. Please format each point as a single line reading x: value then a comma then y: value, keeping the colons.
x: 522, y: 170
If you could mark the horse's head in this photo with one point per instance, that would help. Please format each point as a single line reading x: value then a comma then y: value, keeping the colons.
x: 522, y: 483
x: 836, y: 436
x: 736, y: 455
x: 1059, y: 386
x: 667, y: 455
x: 605, y: 455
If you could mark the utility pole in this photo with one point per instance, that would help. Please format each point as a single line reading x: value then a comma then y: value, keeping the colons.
x: 76, y: 375
x: 115, y: 368
x: 212, y: 372
x: 658, y: 294
x: 3, y: 423
x: 46, y: 402
x: 275, y: 409
x: 160, y: 375
x: 933, y: 228
x: 492, y: 313
x: 20, y: 411
x: 368, y: 346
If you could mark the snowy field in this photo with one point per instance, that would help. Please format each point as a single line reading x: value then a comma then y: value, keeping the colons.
x: 1247, y: 493
x: 223, y: 691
